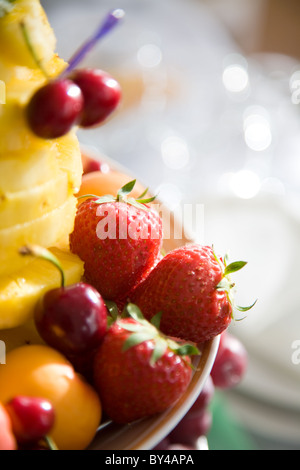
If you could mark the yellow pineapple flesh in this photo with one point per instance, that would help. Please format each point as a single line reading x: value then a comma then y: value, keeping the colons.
x: 20, y: 292
x: 38, y: 178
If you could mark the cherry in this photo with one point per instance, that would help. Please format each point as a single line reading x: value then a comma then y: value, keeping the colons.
x: 230, y: 364
x: 92, y: 163
x: 32, y: 418
x: 54, y: 109
x: 101, y: 95
x: 71, y: 319
x: 191, y: 427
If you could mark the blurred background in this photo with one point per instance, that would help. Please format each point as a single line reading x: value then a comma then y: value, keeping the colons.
x: 210, y: 116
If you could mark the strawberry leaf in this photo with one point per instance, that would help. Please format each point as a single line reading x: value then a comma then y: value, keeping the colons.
x: 105, y: 199
x: 135, y: 203
x: 99, y: 200
x: 226, y: 259
x: 125, y: 190
x: 245, y: 309
x: 137, y: 338
x: 155, y: 321
x: 234, y: 267
x: 147, y: 200
x: 158, y: 351
x: 187, y: 350
x: 135, y: 313
x: 143, y: 194
x: 133, y: 327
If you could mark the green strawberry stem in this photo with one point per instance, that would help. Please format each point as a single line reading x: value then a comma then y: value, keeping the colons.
x: 44, y: 254
x: 125, y: 190
x: 122, y: 196
x: 143, y: 331
x: 227, y: 285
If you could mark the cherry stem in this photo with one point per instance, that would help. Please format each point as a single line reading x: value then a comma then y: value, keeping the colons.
x: 50, y: 443
x: 44, y: 254
x: 111, y: 20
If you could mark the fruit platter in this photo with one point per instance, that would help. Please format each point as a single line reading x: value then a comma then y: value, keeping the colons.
x: 110, y: 329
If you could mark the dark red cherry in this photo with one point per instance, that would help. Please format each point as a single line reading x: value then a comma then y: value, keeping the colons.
x: 72, y: 319
x: 54, y: 109
x: 101, y: 94
x: 231, y: 362
x: 32, y: 418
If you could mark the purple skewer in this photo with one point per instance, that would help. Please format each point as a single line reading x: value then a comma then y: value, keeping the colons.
x: 111, y: 20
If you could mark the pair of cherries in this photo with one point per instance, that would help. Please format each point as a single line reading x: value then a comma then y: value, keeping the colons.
x: 82, y: 97
x: 85, y: 98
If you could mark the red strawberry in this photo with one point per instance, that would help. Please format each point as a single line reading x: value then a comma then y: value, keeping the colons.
x: 137, y: 371
x: 119, y: 239
x: 192, y: 289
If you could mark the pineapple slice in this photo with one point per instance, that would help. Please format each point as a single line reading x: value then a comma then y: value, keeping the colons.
x: 41, y: 33
x: 38, y: 178
x: 20, y: 292
x: 23, y: 171
x: 23, y: 206
x: 26, y: 161
x: 45, y: 231
x: 15, y: 135
x: 70, y: 160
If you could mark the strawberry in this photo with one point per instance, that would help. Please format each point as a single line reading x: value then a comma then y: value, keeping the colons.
x: 119, y: 239
x: 193, y: 290
x: 138, y: 372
